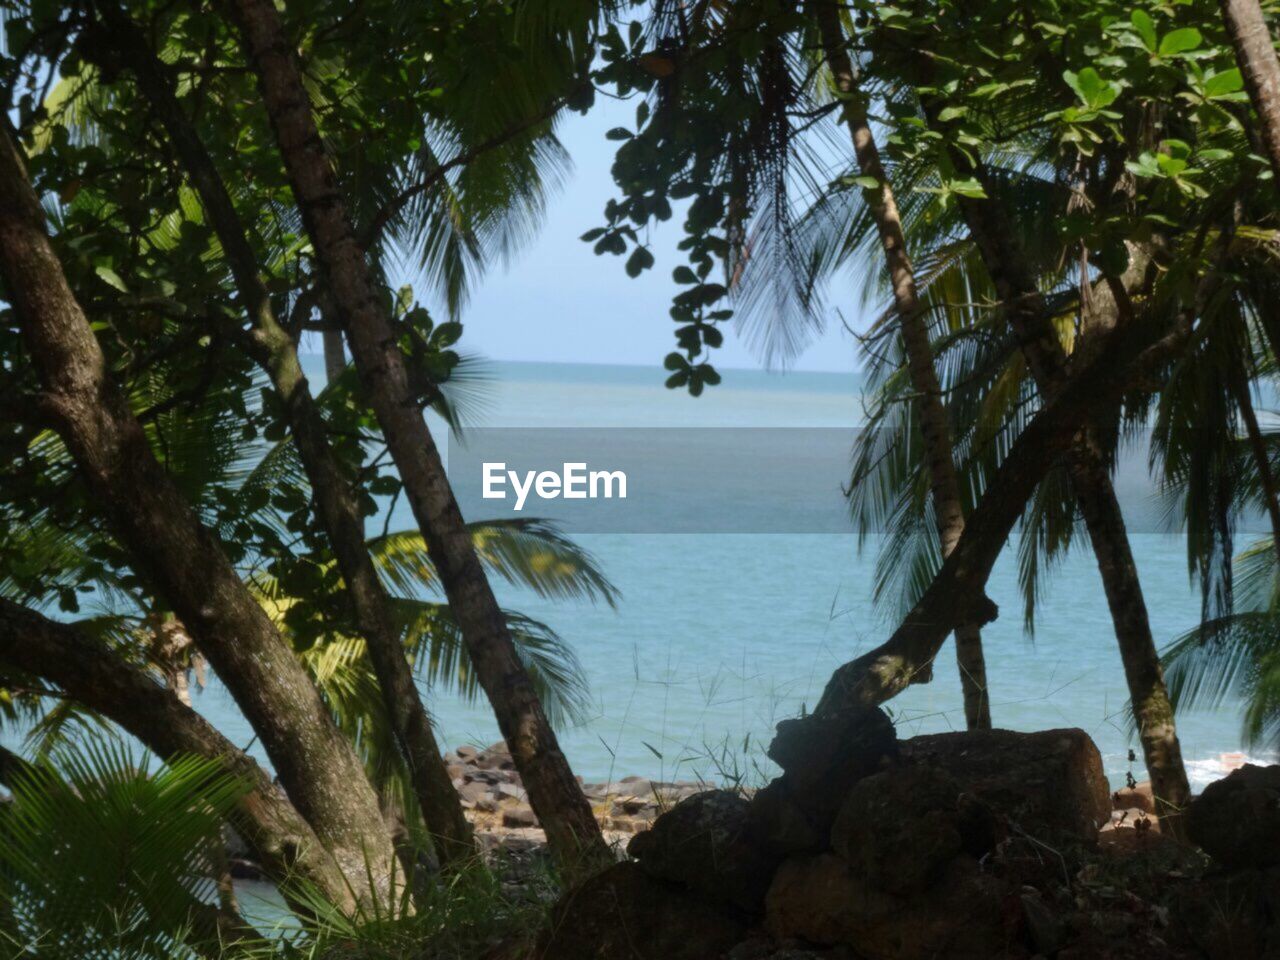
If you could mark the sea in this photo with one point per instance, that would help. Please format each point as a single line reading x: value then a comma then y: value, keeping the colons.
x: 717, y: 636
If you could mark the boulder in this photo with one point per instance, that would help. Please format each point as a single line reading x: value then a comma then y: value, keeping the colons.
x: 1236, y: 820
x: 823, y: 756
x: 962, y: 917
x: 763, y: 948
x: 519, y: 816
x: 704, y: 844
x: 1233, y: 916
x: 495, y: 757
x: 781, y: 823
x: 1049, y: 784
x: 624, y: 913
x: 1138, y: 797
x: 900, y: 828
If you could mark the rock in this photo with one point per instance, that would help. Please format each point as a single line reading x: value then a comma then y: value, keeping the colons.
x: 820, y: 900
x: 623, y: 913
x: 474, y: 791
x: 704, y: 844
x: 519, y: 816
x: 511, y: 790
x: 1045, y: 929
x: 629, y: 805
x: 900, y: 828
x: 1132, y: 819
x: 1049, y: 784
x: 1137, y: 797
x: 781, y: 823
x: 1236, y: 820
x: 763, y: 948
x: 495, y: 757
x: 823, y: 756
x: 1233, y: 916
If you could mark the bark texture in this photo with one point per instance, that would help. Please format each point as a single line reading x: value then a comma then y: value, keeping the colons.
x: 935, y: 429
x: 1029, y: 318
x: 572, y: 832
x: 93, y: 676
x: 1256, y: 55
x: 955, y: 595
x: 177, y: 555
x: 339, y: 509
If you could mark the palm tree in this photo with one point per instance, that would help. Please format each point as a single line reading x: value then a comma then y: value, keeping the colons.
x: 99, y: 856
x: 1256, y: 54
x: 571, y: 829
x: 935, y: 429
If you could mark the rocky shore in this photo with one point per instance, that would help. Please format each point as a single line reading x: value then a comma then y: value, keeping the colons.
x: 966, y: 846
x: 495, y: 802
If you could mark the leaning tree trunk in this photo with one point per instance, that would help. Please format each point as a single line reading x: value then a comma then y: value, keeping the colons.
x: 955, y: 595
x: 935, y: 430
x: 1029, y: 317
x: 1256, y: 55
x: 283, y: 842
x: 571, y: 829
x: 273, y: 348
x: 170, y: 547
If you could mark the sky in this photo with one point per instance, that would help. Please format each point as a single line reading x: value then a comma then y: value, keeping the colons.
x: 559, y: 302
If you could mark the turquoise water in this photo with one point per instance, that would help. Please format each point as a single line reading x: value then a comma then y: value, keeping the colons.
x: 717, y: 637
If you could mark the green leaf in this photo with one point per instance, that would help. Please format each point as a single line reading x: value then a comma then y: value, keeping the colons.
x: 968, y: 188
x: 1221, y: 84
x: 111, y: 278
x: 618, y: 133
x: 1179, y: 41
x: 1092, y: 90
x: 1145, y: 28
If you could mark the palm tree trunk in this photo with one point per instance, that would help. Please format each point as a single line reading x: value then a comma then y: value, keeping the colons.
x: 956, y: 594
x: 1029, y: 318
x: 274, y: 349
x: 571, y: 829
x: 282, y: 841
x: 335, y: 355
x: 934, y: 426
x: 1256, y: 55
x: 175, y: 553
x: 1261, y: 457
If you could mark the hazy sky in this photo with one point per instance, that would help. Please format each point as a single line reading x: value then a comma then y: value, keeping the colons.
x: 560, y: 302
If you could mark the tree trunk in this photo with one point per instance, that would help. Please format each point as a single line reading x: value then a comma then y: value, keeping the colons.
x: 571, y: 829
x: 956, y: 594
x: 1261, y: 457
x: 282, y: 841
x: 1029, y: 318
x: 1256, y: 55
x: 177, y: 555
x: 335, y: 355
x: 935, y: 429
x: 274, y: 349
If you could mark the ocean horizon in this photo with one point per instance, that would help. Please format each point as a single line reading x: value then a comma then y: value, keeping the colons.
x: 718, y: 637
